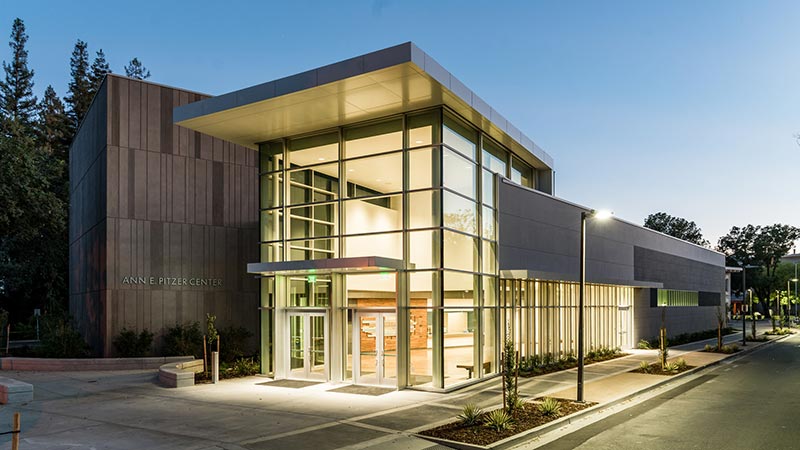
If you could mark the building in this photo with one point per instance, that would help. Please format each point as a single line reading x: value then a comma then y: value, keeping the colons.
x: 378, y: 220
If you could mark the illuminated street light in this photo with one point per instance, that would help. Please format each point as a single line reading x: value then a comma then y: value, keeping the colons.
x: 599, y: 215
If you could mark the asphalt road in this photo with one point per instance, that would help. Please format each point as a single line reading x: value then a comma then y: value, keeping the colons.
x: 751, y: 403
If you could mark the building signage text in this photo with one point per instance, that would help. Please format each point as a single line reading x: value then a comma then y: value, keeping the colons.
x: 172, y: 281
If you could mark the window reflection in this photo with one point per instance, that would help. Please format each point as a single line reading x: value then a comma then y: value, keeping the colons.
x: 459, y: 213
x: 459, y: 136
x: 459, y: 173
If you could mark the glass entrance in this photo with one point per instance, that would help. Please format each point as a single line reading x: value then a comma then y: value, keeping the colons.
x: 308, y: 352
x: 375, y: 342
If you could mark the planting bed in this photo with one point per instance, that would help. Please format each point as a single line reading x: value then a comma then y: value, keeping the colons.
x: 526, y: 418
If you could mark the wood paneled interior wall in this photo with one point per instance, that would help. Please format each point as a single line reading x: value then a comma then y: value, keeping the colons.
x: 172, y: 203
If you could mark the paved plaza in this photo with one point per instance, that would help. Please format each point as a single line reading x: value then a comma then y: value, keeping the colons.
x: 129, y: 410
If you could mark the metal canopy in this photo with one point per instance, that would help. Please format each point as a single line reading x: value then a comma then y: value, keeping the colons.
x: 389, y: 81
x: 332, y: 265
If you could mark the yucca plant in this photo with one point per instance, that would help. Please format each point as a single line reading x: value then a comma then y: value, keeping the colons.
x: 499, y: 420
x: 549, y: 406
x: 470, y: 414
x: 644, y: 366
x: 680, y: 364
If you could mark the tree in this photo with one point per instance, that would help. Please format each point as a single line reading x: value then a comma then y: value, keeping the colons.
x: 763, y: 247
x: 136, y: 70
x: 33, y: 231
x: 676, y: 227
x: 53, y: 136
x: 80, y: 87
x: 17, y: 102
x: 53, y: 125
x: 98, y: 71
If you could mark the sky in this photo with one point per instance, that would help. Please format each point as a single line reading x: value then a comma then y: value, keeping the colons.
x: 686, y: 107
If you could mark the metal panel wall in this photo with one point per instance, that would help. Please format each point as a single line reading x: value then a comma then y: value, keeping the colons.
x: 167, y: 203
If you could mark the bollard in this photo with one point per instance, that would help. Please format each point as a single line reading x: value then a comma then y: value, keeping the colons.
x: 215, y: 367
x: 15, y: 432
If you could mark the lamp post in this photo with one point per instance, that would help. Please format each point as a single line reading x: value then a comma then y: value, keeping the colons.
x: 600, y: 215
x: 744, y: 299
x: 788, y: 306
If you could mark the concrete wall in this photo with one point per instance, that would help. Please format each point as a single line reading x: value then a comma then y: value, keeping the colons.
x: 159, y: 201
x: 541, y: 233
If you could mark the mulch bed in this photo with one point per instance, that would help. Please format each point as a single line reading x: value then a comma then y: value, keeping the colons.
x: 559, y: 367
x: 525, y: 419
x: 655, y: 369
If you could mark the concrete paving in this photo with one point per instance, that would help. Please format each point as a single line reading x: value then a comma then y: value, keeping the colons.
x: 745, y: 403
x: 128, y: 410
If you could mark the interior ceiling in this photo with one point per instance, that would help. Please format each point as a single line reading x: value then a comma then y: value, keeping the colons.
x: 380, y: 173
x: 400, y: 88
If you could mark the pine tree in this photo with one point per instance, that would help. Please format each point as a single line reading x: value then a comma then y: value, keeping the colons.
x: 136, y: 70
x: 53, y: 126
x: 80, y: 92
x: 17, y: 102
x: 98, y: 71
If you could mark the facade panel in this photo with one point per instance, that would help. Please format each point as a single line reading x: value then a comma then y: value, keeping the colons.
x: 134, y: 201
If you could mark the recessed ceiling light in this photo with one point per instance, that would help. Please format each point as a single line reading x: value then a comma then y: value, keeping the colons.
x: 351, y: 170
x: 418, y: 142
x: 320, y: 159
x: 378, y: 179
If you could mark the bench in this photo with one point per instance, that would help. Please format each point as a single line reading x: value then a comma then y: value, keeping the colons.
x: 177, y: 375
x: 487, y: 366
x: 14, y: 391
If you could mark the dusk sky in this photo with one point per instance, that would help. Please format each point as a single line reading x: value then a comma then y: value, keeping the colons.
x: 686, y: 107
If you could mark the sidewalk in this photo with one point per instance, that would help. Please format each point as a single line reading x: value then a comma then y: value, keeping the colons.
x: 128, y: 410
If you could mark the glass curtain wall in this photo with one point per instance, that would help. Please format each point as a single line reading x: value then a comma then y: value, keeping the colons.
x: 420, y: 187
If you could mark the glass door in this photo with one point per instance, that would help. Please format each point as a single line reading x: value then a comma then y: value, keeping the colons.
x: 308, y: 342
x: 375, y: 347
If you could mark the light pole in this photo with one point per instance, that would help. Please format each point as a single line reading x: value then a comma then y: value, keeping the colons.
x: 600, y: 215
x: 744, y: 298
x: 788, y: 299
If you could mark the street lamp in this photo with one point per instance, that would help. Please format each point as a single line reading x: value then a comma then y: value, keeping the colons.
x: 599, y: 215
x: 744, y: 299
x: 793, y: 280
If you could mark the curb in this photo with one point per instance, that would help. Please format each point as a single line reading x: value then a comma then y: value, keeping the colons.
x: 558, y: 423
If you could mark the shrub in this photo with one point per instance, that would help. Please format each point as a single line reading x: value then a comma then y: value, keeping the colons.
x: 245, y: 367
x: 510, y: 392
x: 470, y: 414
x: 60, y: 338
x: 709, y: 348
x: 550, y: 406
x: 680, y: 364
x: 779, y: 332
x: 130, y: 344
x: 670, y: 367
x: 643, y: 344
x: 499, y: 420
x: 183, y: 340
x: 644, y: 367
x: 233, y: 343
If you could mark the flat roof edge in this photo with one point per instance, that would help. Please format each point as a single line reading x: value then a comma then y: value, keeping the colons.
x: 404, y: 53
x: 528, y: 274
